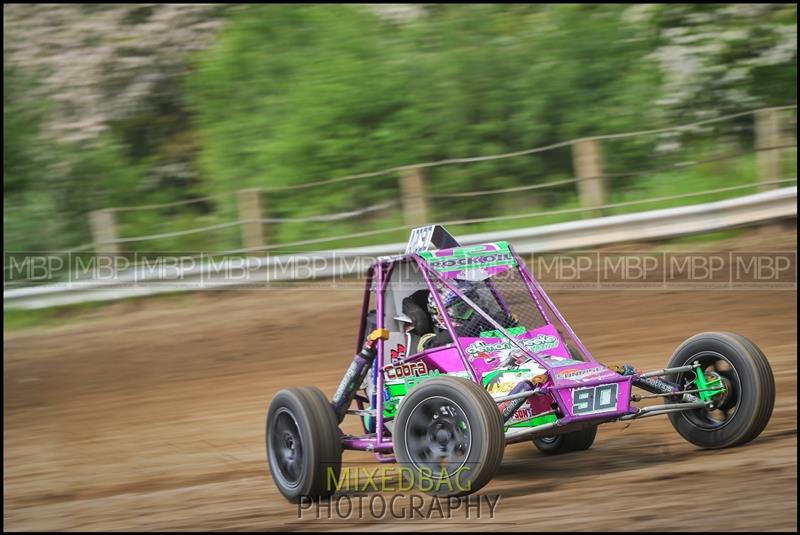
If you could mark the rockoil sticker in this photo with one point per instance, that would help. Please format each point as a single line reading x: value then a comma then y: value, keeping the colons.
x: 472, y: 262
x: 461, y: 258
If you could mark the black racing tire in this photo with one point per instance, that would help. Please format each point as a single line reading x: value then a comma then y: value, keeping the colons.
x: 579, y: 440
x: 448, y: 437
x: 740, y: 414
x: 303, y: 443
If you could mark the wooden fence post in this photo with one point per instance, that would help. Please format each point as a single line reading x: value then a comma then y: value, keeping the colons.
x: 250, y: 209
x: 415, y: 205
x: 104, y: 231
x: 768, y: 138
x: 587, y: 158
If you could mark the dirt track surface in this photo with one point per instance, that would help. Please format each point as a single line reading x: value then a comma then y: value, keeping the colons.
x: 150, y: 415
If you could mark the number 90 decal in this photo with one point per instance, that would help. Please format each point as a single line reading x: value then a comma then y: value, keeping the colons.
x: 595, y: 399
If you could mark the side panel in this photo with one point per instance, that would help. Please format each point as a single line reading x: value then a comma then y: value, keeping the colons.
x: 400, y: 378
x: 590, y: 391
x: 486, y: 353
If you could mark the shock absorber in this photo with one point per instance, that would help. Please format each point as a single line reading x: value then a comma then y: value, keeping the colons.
x: 355, y: 374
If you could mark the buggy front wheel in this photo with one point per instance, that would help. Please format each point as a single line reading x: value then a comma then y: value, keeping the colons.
x: 741, y: 409
x: 449, y: 437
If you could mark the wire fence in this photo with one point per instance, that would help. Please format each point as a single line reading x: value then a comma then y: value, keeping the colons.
x: 182, y: 259
x: 475, y: 159
x: 544, y: 185
x: 456, y: 222
x: 410, y: 199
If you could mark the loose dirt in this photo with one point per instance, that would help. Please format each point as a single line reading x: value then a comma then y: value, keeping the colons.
x: 150, y: 415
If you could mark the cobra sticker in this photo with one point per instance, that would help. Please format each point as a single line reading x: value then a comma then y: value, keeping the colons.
x: 408, y: 369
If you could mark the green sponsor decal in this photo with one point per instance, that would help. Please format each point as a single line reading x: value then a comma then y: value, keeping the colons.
x: 511, y: 377
x: 476, y: 257
x: 538, y: 420
x: 517, y: 373
x: 400, y: 388
x: 513, y: 331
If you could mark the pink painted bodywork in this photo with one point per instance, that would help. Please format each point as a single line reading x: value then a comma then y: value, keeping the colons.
x: 458, y: 358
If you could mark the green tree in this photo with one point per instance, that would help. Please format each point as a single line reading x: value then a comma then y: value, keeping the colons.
x: 293, y: 94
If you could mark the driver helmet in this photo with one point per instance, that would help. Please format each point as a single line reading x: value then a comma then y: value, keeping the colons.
x: 455, y: 307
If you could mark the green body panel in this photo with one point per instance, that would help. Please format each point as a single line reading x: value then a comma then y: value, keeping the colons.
x: 536, y: 420
x: 513, y: 331
x: 399, y: 389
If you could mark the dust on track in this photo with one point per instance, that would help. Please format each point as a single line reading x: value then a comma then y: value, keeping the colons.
x: 150, y: 415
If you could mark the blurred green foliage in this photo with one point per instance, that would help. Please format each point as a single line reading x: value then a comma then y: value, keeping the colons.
x: 289, y: 94
x: 295, y: 94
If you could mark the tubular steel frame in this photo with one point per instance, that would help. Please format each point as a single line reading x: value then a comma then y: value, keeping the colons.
x: 380, y: 442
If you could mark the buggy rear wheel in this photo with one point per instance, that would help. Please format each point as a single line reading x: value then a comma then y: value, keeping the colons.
x: 579, y: 440
x: 303, y: 443
x: 740, y: 413
x: 448, y: 437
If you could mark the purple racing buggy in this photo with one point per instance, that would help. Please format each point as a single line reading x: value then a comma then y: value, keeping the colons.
x: 460, y: 352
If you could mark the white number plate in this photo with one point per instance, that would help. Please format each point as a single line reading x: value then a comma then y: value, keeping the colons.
x: 594, y: 399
